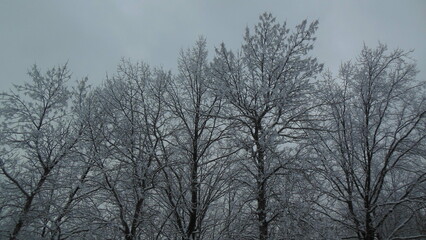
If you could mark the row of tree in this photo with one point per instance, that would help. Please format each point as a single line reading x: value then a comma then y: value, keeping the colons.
x: 255, y: 144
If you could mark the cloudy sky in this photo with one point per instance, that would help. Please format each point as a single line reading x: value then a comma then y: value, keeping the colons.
x: 93, y: 35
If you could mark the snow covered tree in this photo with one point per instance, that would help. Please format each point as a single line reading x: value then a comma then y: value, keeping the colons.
x: 39, y: 134
x: 372, y: 150
x: 196, y: 174
x: 267, y: 89
x: 131, y: 108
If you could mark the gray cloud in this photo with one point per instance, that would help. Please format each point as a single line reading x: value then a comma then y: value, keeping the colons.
x: 94, y: 35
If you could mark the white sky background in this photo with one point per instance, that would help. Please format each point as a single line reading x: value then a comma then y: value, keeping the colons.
x: 93, y: 35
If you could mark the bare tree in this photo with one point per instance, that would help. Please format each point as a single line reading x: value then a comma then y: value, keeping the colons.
x: 372, y: 158
x: 39, y: 135
x: 267, y: 89
x: 196, y: 177
x: 127, y: 151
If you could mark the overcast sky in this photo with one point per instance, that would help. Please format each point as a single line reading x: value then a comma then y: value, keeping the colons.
x: 94, y: 35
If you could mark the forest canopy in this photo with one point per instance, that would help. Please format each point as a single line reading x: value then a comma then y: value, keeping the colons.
x: 259, y: 142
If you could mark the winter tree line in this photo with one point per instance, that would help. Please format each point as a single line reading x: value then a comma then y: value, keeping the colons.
x: 257, y: 143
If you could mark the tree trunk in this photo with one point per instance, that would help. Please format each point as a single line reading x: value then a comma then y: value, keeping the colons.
x: 28, y: 204
x: 261, y: 185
